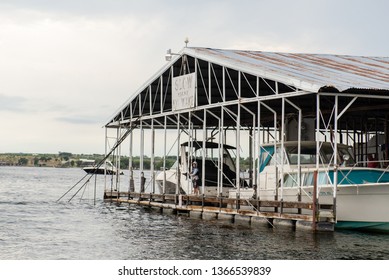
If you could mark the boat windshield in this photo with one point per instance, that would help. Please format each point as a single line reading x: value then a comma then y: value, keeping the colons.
x: 212, y: 154
x: 308, y: 155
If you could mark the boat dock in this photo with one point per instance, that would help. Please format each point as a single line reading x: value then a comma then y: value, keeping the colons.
x: 309, y: 126
x: 246, y: 211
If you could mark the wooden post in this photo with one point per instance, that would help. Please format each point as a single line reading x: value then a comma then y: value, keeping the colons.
x: 132, y: 184
x: 142, y: 182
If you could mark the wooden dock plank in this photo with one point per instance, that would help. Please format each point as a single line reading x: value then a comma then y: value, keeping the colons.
x: 215, y: 205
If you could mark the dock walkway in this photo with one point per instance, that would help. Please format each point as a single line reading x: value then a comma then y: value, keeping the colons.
x: 249, y: 211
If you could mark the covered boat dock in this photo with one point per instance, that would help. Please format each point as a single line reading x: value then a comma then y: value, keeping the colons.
x: 246, y: 99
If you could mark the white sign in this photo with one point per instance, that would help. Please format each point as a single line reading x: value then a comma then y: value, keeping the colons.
x: 183, y: 92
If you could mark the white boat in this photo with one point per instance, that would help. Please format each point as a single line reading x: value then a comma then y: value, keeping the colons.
x: 214, y: 172
x: 362, y: 193
x: 105, y: 168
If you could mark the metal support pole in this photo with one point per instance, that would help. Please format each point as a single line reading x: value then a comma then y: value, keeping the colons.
x: 209, y: 83
x: 238, y: 153
x: 354, y: 142
x: 300, y: 120
x: 142, y: 146
x: 105, y: 154
x: 220, y: 162
x: 190, y: 158
x: 152, y: 157
x: 317, y: 131
x: 224, y: 84
x: 258, y: 143
x: 222, y: 142
x: 130, y: 161
x: 178, y: 173
x: 203, y: 155
x: 314, y: 202
x: 376, y: 139
x: 251, y: 157
x: 164, y: 155
x: 386, y: 138
x: 117, y: 161
x: 335, y: 156
x: 282, y: 146
x: 161, y: 94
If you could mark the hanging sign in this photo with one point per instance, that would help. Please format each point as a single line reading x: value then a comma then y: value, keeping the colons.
x: 183, y: 92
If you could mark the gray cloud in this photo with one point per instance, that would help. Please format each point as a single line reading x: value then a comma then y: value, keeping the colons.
x: 67, y: 66
x: 80, y: 120
x: 12, y: 103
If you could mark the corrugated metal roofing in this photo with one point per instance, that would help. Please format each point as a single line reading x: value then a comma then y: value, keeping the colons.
x: 305, y: 71
x: 308, y: 72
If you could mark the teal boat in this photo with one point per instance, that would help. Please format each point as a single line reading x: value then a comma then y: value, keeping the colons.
x: 362, y: 193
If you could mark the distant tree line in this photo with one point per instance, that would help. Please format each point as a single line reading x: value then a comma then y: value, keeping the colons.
x: 158, y: 162
x: 64, y: 159
x: 170, y: 160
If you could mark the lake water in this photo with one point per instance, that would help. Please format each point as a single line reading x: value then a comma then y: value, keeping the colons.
x: 36, y: 227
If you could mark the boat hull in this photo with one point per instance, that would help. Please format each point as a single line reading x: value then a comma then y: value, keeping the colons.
x: 363, y: 226
x: 99, y: 171
x: 358, y: 207
x: 186, y: 186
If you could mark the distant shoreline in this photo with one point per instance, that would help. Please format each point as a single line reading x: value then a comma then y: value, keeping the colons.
x: 68, y: 160
x: 47, y: 160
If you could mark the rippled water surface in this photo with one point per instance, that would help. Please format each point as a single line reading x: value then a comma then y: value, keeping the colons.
x: 34, y: 226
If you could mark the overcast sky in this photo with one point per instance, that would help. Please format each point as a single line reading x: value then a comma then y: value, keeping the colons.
x: 67, y: 66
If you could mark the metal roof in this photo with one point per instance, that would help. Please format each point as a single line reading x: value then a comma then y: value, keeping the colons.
x: 304, y: 71
x: 309, y: 73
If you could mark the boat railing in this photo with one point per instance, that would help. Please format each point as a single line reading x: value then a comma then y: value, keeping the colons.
x: 364, y: 163
x: 385, y: 170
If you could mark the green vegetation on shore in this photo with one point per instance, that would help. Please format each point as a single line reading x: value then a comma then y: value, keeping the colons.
x: 64, y: 160
x: 75, y: 160
x: 49, y: 160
